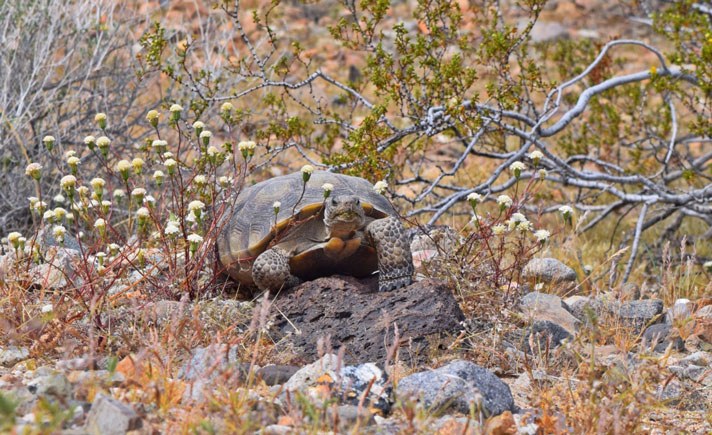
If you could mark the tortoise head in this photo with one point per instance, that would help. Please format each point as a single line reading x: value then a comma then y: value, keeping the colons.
x: 344, y: 213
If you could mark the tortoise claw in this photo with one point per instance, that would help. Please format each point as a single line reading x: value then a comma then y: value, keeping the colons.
x: 387, y: 285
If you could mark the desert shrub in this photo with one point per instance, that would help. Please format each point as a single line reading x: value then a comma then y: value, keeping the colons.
x: 61, y: 63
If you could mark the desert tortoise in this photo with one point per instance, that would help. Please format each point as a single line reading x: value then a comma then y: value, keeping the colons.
x: 355, y: 231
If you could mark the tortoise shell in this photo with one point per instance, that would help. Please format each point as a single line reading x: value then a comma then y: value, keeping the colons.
x: 249, y: 226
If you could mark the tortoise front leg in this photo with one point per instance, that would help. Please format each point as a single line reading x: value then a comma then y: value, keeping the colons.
x: 270, y: 271
x: 395, y: 262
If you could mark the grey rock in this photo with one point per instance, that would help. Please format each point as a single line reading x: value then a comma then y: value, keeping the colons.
x: 100, y: 377
x: 542, y: 306
x: 458, y: 386
x: 354, y: 314
x: 658, y: 336
x: 545, y: 331
x: 699, y: 358
x: 351, y: 415
x: 548, y: 271
x: 679, y: 312
x: 577, y: 305
x: 633, y: 314
x: 638, y: 314
x: 207, y: 363
x: 50, y: 386
x: 13, y: 355
x: 276, y: 374
x: 59, y: 271
x: 671, y: 392
x: 45, y: 240
x: 549, y: 31
x: 430, y: 237
x: 347, y: 383
x: 278, y: 429
x: 629, y: 291
x: 108, y: 416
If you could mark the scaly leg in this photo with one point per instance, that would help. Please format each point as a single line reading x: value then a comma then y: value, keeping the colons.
x: 395, y: 261
x: 270, y: 271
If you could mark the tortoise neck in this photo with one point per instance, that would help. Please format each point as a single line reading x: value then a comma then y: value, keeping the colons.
x: 342, y: 230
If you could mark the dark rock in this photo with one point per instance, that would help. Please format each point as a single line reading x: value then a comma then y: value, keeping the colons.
x: 638, y: 314
x: 459, y: 385
x: 108, y: 416
x: 548, y: 271
x: 274, y: 375
x: 632, y: 314
x: 542, y: 306
x: 658, y: 336
x: 545, y: 331
x: 353, y: 314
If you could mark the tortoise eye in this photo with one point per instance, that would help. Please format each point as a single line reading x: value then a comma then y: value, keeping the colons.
x: 358, y: 201
x: 333, y: 201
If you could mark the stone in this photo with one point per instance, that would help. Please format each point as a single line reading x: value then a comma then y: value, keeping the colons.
x: 544, y: 32
x: 59, y: 271
x: 545, y: 331
x: 206, y: 364
x: 459, y: 386
x: 98, y: 377
x: 580, y: 306
x: 276, y: 374
x: 680, y: 311
x: 629, y: 291
x: 450, y: 425
x: 324, y: 379
x: 548, y: 271
x: 53, y: 385
x: 638, y: 314
x: 352, y: 415
x: 108, y: 416
x: 502, y: 424
x: 46, y: 240
x: 351, y: 313
x: 542, y: 306
x: 703, y: 323
x: 699, y: 358
x: 430, y: 237
x: 670, y: 392
x: 12, y: 355
x: 278, y: 429
x: 658, y: 336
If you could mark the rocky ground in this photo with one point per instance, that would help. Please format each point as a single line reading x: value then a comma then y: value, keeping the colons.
x: 334, y: 355
x: 393, y: 362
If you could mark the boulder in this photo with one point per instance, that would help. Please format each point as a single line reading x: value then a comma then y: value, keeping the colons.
x: 12, y: 355
x: 108, y: 416
x: 351, y: 313
x: 206, y: 364
x: 680, y: 311
x: 326, y: 379
x: 276, y: 374
x: 459, y: 386
x: 544, y: 331
x: 542, y: 306
x: 549, y: 271
x: 638, y: 314
x: 658, y: 336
